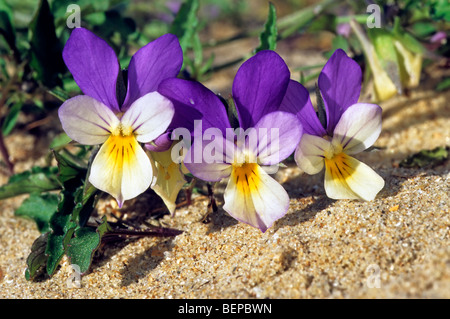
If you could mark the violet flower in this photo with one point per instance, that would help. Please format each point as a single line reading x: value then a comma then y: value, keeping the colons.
x: 351, y: 127
x: 121, y: 167
x: 251, y: 195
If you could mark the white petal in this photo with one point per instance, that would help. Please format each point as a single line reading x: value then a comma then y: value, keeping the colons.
x: 255, y: 198
x: 87, y: 120
x: 358, y: 128
x: 348, y: 178
x: 149, y: 116
x: 121, y: 168
x: 310, y: 153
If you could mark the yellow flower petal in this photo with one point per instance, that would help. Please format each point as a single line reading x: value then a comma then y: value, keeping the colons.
x: 170, y: 179
x: 255, y: 198
x: 121, y: 168
x: 348, y: 178
x: 410, y: 66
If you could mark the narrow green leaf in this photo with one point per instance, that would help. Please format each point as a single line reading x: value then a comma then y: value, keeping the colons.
x: 208, y: 64
x: 185, y: 23
x: 40, y: 208
x: 36, y: 180
x: 11, y: 118
x: 268, y: 38
x: 46, y: 50
x: 59, y: 93
x: 198, y: 49
x: 7, y: 29
x: 298, y: 20
x: 443, y: 85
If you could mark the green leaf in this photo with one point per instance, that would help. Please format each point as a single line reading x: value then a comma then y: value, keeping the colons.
x: 208, y: 64
x: 11, y: 118
x: 427, y: 158
x: 59, y: 93
x: 70, y: 168
x: 85, y: 201
x: 40, y: 208
x: 406, y: 39
x: 82, y: 246
x: 62, y: 228
x: 268, y: 38
x: 59, y: 141
x: 298, y: 20
x: 46, y: 51
x: 185, y: 23
x: 383, y: 42
x: 443, y: 85
x: 36, y: 180
x: 74, y: 208
x: 323, y: 22
x: 441, y: 10
x: 37, y: 257
x: 338, y: 42
x: 6, y: 24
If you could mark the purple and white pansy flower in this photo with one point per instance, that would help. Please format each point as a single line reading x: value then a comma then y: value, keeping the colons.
x: 351, y: 128
x: 121, y: 167
x: 264, y: 138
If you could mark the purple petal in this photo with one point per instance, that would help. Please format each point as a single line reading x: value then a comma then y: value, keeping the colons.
x: 340, y: 85
x: 297, y: 101
x: 206, y: 167
x: 160, y: 144
x: 193, y: 101
x: 278, y: 135
x: 259, y: 87
x: 150, y: 65
x: 94, y: 66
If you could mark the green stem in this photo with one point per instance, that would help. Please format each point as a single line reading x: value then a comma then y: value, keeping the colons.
x: 360, y: 18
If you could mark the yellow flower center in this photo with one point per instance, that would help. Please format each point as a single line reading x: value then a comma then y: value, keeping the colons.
x: 121, y: 146
x: 339, y: 166
x: 246, y: 177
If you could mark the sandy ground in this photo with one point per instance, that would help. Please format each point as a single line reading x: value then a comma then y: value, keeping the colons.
x: 396, y: 246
